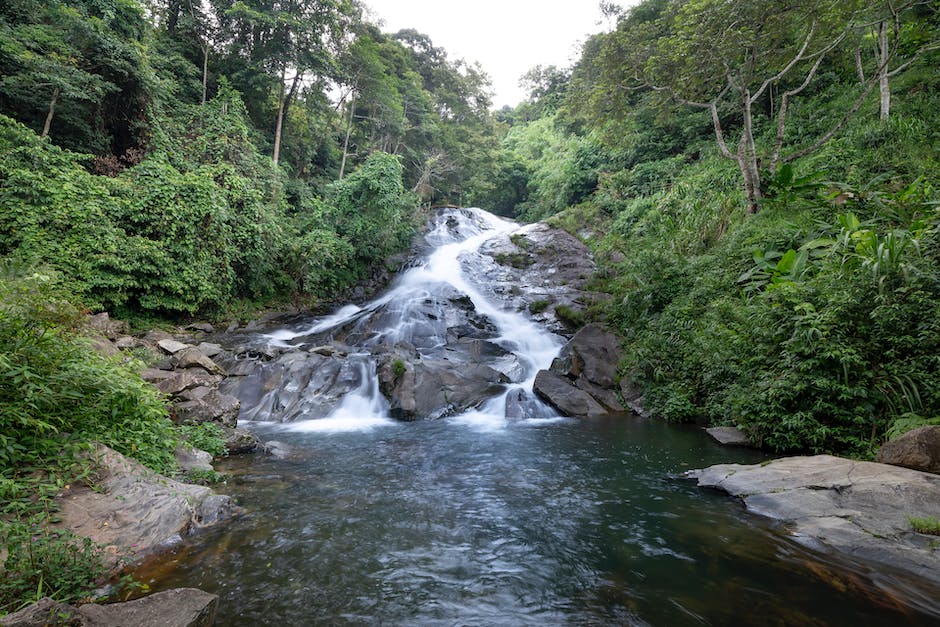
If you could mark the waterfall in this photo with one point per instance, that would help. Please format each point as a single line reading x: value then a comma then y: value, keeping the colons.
x: 433, y: 320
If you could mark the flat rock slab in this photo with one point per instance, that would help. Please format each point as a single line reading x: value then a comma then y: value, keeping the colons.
x: 135, y: 510
x: 858, y: 508
x: 729, y: 436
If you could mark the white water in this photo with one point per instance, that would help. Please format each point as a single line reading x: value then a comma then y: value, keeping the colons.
x: 455, y: 233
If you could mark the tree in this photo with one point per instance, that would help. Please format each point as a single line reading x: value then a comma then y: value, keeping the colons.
x: 897, y: 42
x: 730, y: 57
x: 292, y: 42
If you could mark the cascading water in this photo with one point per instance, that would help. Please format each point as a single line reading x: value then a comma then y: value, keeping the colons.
x: 433, y: 314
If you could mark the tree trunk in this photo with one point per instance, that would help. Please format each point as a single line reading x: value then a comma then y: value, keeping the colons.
x: 747, y: 155
x: 205, y: 70
x: 352, y: 109
x: 55, y: 98
x: 884, y: 82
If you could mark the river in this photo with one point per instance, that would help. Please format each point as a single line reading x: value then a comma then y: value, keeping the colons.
x: 477, y: 519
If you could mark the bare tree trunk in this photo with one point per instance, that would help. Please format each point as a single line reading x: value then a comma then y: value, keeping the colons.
x: 55, y: 98
x: 884, y: 83
x: 748, y: 159
x: 283, y: 101
x: 352, y: 109
x: 205, y: 70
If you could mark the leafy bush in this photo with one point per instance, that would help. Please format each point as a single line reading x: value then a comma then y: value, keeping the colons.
x: 206, y: 436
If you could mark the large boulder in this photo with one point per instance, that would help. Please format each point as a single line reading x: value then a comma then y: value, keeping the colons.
x: 918, y: 449
x: 180, y: 607
x: 582, y: 379
x: 861, y: 509
x: 432, y: 388
x: 133, y: 511
x: 561, y: 394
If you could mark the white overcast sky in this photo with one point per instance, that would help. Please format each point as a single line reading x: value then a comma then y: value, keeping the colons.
x: 507, y: 37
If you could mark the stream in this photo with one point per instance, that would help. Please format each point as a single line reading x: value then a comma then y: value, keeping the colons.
x: 477, y: 518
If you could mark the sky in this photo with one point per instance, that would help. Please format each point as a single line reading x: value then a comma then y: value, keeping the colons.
x: 507, y: 37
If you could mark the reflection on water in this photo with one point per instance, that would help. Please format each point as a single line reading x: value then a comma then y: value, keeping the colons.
x: 485, y: 522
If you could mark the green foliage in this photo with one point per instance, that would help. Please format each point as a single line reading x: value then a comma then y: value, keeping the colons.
x: 538, y: 306
x: 572, y: 317
x: 42, y: 562
x: 205, y: 436
x: 925, y: 524
x: 398, y: 368
x: 56, y: 394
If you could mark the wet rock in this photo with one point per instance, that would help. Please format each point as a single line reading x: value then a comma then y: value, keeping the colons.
x: 858, y: 508
x: 180, y: 607
x: 561, y: 394
x: 191, y: 357
x: 729, y: 436
x: 918, y: 449
x: 189, y: 458
x: 134, y: 510
x: 241, y: 442
x: 277, y: 450
x: 213, y: 406
x: 433, y: 388
x: 171, y: 346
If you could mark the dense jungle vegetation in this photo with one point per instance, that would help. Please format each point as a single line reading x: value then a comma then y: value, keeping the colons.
x: 757, y: 179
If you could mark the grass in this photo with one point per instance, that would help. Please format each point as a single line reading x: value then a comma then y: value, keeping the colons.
x: 926, y: 524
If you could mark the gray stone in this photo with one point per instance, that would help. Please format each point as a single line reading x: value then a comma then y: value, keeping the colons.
x: 918, y: 449
x: 103, y: 346
x: 189, y: 458
x: 241, y: 442
x: 191, y: 357
x: 171, y: 346
x: 561, y: 394
x: 103, y: 324
x: 181, y: 380
x: 133, y: 510
x: 180, y: 607
x: 277, y: 450
x: 858, y: 508
x: 593, y: 353
x: 214, y: 406
x: 729, y: 436
x: 126, y: 342
x: 205, y: 327
x: 209, y: 349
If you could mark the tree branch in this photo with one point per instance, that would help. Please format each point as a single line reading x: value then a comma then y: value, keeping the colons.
x: 835, y: 129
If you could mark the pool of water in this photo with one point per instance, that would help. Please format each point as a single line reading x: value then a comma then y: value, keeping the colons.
x: 476, y: 521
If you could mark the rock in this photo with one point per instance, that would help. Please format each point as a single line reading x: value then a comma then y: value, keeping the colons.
x: 180, y: 607
x: 858, y: 508
x: 45, y: 612
x: 155, y: 375
x: 433, y: 388
x: 241, y: 442
x: 134, y: 510
x: 326, y: 351
x: 593, y: 353
x: 561, y: 394
x: 156, y: 335
x: 918, y: 449
x: 126, y: 342
x: 729, y: 436
x: 214, y: 406
x: 181, y: 380
x: 209, y: 349
x: 205, y: 327
x: 190, y: 458
x: 191, y: 357
x: 171, y: 346
x: 277, y: 450
x: 103, y: 324
x: 103, y: 346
